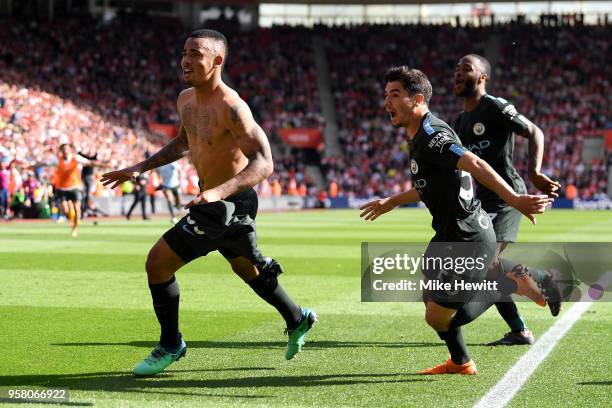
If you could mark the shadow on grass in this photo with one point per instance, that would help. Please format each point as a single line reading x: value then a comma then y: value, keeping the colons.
x: 171, y: 384
x: 595, y: 383
x: 210, y: 344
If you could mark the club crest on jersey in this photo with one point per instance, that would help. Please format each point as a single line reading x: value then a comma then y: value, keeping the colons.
x: 479, y: 129
x: 483, y: 221
x: 414, y: 167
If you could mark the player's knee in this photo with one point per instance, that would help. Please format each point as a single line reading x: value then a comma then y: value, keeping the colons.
x: 154, y: 264
x: 240, y: 269
x: 243, y: 268
x: 435, y: 321
x: 151, y: 263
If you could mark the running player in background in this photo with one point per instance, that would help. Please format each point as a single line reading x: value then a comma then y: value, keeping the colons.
x: 170, y: 175
x: 486, y: 127
x: 441, y: 169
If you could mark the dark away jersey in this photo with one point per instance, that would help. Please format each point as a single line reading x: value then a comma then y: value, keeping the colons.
x: 446, y: 191
x: 488, y: 132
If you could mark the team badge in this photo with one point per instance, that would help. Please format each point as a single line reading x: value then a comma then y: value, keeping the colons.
x: 414, y: 167
x: 479, y: 129
x: 483, y: 221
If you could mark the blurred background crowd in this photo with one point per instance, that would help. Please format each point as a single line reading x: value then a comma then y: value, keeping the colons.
x: 104, y: 86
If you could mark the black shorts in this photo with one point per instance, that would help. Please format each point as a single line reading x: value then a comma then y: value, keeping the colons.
x: 227, y: 226
x: 506, y: 222
x: 73, y: 195
x: 470, y: 264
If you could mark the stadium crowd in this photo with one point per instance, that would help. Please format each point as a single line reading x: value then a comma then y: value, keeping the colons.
x: 101, y: 84
x: 557, y: 83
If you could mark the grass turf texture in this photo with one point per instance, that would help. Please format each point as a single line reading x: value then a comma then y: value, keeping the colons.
x: 76, y: 313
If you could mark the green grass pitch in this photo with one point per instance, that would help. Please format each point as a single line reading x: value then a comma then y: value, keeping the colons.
x: 76, y: 314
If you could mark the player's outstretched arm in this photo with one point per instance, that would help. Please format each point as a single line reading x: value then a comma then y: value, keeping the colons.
x: 480, y: 169
x: 254, y: 144
x: 176, y: 149
x: 536, y: 152
x: 375, y: 208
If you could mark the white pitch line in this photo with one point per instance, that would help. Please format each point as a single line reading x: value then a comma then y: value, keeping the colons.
x: 503, y: 392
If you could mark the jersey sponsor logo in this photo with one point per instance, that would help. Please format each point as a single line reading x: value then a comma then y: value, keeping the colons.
x: 479, y: 129
x: 477, y: 148
x: 427, y: 127
x: 440, y: 140
x: 483, y: 221
x: 458, y: 150
x: 420, y: 183
x: 414, y: 167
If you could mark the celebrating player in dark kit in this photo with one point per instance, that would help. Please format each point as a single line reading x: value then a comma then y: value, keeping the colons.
x: 441, y: 169
x: 231, y: 154
x: 486, y: 127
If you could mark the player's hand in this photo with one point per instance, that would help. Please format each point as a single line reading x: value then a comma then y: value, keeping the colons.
x: 118, y: 177
x: 208, y: 196
x: 529, y: 205
x: 545, y: 184
x: 376, y: 208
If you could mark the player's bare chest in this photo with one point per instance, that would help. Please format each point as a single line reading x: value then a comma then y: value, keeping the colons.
x: 203, y: 123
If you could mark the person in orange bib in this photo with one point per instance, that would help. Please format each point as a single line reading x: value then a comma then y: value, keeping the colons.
x: 68, y: 183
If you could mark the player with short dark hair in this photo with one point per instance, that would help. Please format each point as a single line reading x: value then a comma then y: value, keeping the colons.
x: 441, y: 169
x: 231, y: 154
x: 486, y: 127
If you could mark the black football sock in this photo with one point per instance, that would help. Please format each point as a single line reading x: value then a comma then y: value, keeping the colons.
x: 268, y: 288
x: 471, y: 310
x: 166, y: 304
x: 508, y: 311
x: 456, y: 345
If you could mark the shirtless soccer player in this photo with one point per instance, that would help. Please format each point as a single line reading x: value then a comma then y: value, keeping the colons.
x: 231, y: 155
x: 441, y: 169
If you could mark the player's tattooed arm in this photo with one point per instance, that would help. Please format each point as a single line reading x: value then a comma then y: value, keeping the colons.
x: 173, y: 151
x: 536, y: 152
x: 254, y: 144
